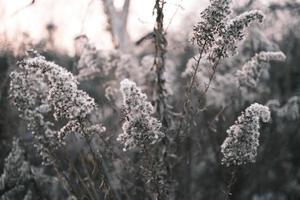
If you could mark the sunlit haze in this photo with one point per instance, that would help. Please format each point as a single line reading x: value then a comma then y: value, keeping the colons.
x: 85, y: 17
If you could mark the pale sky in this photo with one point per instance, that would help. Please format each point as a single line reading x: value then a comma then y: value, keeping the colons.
x: 74, y: 17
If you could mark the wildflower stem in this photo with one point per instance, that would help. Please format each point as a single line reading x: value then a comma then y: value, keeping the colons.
x: 195, y: 72
x: 214, y: 68
x: 232, y: 181
x: 106, y: 178
x: 61, y: 176
x: 159, y: 63
x: 150, y: 165
x: 88, y: 177
x: 82, y: 183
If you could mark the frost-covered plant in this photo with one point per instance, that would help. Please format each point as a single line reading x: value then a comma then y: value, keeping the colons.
x: 59, y: 108
x: 251, y: 71
x: 232, y: 33
x: 240, y: 146
x: 47, y: 95
x: 207, y: 32
x: 215, y: 30
x: 28, y: 93
x: 64, y: 96
x: 140, y: 128
x: 211, y: 23
x: 217, y: 35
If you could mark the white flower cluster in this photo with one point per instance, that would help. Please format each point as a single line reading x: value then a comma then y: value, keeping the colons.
x: 27, y: 89
x: 212, y: 23
x: 250, y: 73
x: 217, y: 34
x: 28, y: 92
x: 234, y: 32
x: 40, y: 87
x: 140, y: 128
x: 66, y: 99
x: 240, y: 146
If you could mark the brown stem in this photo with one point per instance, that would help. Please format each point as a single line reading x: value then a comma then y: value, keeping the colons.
x: 83, y: 164
x: 195, y: 72
x: 82, y: 181
x: 63, y: 180
x: 107, y: 178
x: 214, y: 68
x: 159, y: 63
x: 151, y: 167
